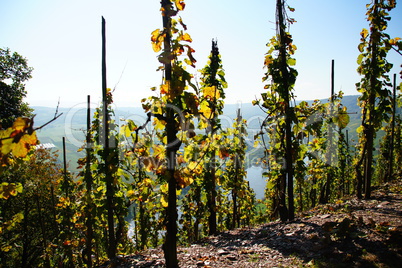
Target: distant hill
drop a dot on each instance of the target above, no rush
(72, 123)
(253, 114)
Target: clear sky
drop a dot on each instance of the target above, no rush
(62, 41)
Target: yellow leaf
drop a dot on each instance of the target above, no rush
(5, 133)
(130, 193)
(120, 172)
(179, 50)
(185, 37)
(159, 151)
(22, 148)
(194, 168)
(154, 35)
(186, 181)
(159, 124)
(178, 192)
(30, 139)
(21, 123)
(180, 5)
(127, 132)
(188, 62)
(164, 202)
(10, 189)
(394, 41)
(211, 92)
(256, 144)
(364, 33)
(205, 109)
(157, 40)
(147, 181)
(6, 141)
(156, 47)
(6, 248)
(165, 88)
(217, 137)
(292, 49)
(268, 60)
(203, 123)
(164, 188)
(157, 107)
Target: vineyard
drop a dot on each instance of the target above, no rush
(174, 174)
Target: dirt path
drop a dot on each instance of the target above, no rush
(354, 233)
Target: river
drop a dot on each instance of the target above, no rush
(257, 182)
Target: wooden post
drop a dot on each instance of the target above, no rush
(287, 178)
(87, 254)
(170, 245)
(111, 250)
(391, 153)
(64, 157)
(66, 184)
(324, 196)
(370, 131)
(332, 80)
(348, 161)
(210, 174)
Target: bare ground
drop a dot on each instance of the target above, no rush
(351, 233)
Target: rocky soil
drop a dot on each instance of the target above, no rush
(350, 233)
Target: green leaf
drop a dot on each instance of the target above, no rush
(361, 47)
(342, 120)
(360, 59)
(291, 62)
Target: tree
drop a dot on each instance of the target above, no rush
(14, 69)
(386, 159)
(280, 115)
(173, 109)
(29, 226)
(243, 197)
(211, 106)
(375, 100)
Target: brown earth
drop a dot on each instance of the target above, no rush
(350, 233)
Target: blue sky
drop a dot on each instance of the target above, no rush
(61, 40)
